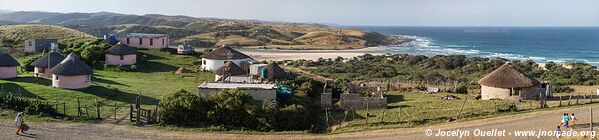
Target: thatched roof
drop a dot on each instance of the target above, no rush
(7, 61)
(230, 69)
(109, 41)
(71, 66)
(276, 72)
(121, 49)
(225, 53)
(507, 76)
(53, 58)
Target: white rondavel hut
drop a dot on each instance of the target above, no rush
(71, 73)
(219, 57)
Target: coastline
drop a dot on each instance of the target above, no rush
(280, 55)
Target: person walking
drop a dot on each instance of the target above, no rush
(19, 122)
(573, 120)
(558, 132)
(566, 120)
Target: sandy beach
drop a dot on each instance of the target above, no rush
(278, 55)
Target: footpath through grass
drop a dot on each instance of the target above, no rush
(153, 78)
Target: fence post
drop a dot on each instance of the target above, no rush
(383, 116)
(115, 108)
(130, 112)
(577, 97)
(86, 111)
(78, 107)
(461, 108)
(591, 98)
(569, 99)
(97, 108)
(560, 101)
(64, 105)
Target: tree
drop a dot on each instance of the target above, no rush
(294, 117)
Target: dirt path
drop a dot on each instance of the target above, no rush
(545, 120)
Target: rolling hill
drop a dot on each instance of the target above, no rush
(19, 33)
(206, 32)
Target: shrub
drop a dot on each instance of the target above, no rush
(233, 107)
(561, 89)
(18, 103)
(182, 108)
(462, 89)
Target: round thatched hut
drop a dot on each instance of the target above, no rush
(71, 73)
(8, 66)
(43, 65)
(275, 72)
(229, 69)
(217, 58)
(121, 54)
(507, 82)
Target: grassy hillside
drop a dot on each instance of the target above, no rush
(19, 33)
(208, 32)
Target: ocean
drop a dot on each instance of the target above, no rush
(541, 44)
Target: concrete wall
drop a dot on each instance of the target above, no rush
(70, 82)
(116, 59)
(257, 94)
(38, 45)
(41, 72)
(8, 72)
(488, 93)
(213, 64)
(158, 43)
(349, 101)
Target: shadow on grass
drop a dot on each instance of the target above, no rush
(117, 95)
(152, 66)
(394, 98)
(106, 81)
(18, 90)
(33, 80)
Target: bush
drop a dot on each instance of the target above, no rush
(561, 89)
(233, 107)
(462, 89)
(182, 108)
(293, 117)
(18, 103)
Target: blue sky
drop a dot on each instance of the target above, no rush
(348, 12)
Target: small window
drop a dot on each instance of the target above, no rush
(30, 43)
(127, 40)
(56, 77)
(203, 62)
(162, 41)
(151, 42)
(122, 57)
(41, 70)
(141, 41)
(88, 77)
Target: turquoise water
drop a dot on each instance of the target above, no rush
(541, 44)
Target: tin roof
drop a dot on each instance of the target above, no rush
(237, 85)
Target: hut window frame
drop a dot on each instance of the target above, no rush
(122, 57)
(141, 41)
(88, 77)
(128, 40)
(151, 42)
(57, 78)
(203, 62)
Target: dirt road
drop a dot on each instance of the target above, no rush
(544, 120)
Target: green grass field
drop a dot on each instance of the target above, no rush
(153, 78)
(427, 109)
